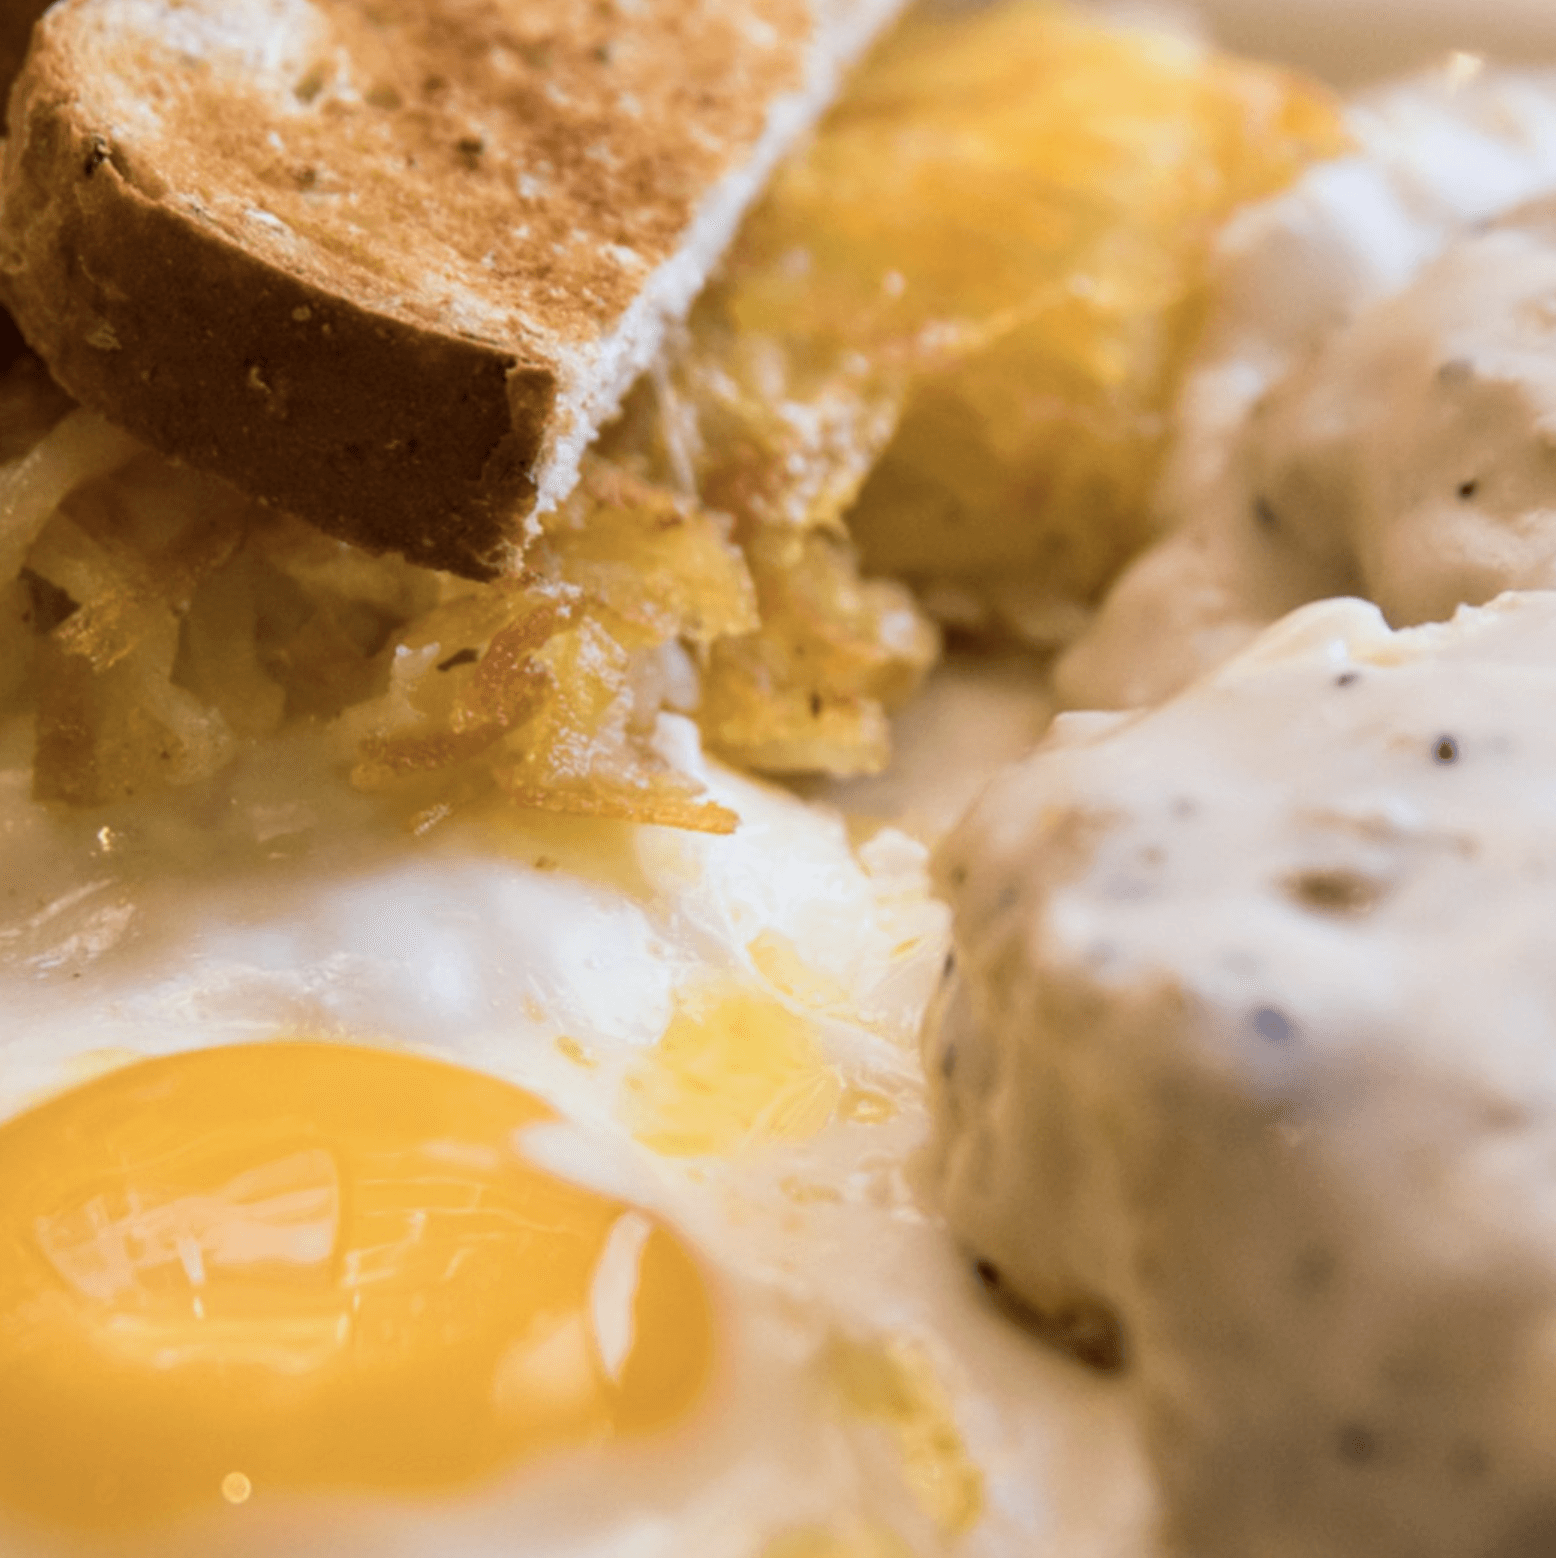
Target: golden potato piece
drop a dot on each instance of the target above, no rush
(1009, 218)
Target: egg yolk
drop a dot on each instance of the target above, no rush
(306, 1265)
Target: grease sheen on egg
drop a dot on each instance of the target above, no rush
(309, 1265)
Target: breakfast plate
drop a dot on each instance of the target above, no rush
(585, 1210)
(1354, 44)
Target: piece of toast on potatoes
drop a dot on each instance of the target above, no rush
(389, 264)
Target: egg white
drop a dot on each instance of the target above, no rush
(276, 902)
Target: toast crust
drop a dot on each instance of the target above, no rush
(260, 376)
(389, 265)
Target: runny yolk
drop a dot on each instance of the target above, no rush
(306, 1265)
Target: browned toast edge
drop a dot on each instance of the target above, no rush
(259, 376)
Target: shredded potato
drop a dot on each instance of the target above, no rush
(172, 620)
(949, 331)
(43, 473)
(971, 302)
(664, 565)
(808, 691)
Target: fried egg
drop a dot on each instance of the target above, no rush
(538, 1185)
(649, 1103)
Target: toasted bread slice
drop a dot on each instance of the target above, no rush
(389, 263)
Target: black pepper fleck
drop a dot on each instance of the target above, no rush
(1468, 489)
(815, 705)
(1264, 514)
(1347, 678)
(1356, 1444)
(1335, 890)
(1269, 1022)
(459, 657)
(1446, 750)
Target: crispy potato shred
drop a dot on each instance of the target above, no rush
(988, 274)
(946, 340)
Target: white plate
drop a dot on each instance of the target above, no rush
(1352, 41)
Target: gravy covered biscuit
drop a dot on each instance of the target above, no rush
(1367, 411)
(390, 267)
(1245, 1065)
